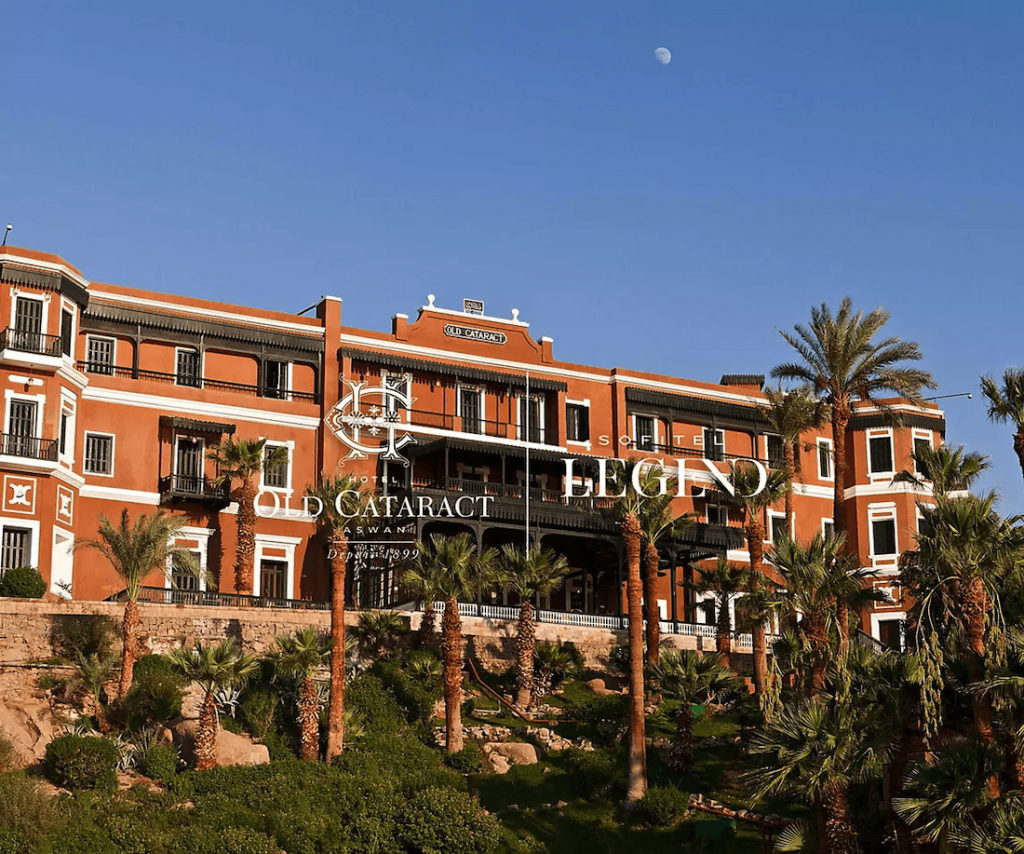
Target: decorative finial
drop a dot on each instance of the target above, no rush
(515, 315)
(430, 300)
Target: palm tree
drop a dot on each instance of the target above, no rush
(242, 461)
(528, 574)
(551, 661)
(134, 550)
(213, 667)
(687, 676)
(725, 581)
(842, 362)
(302, 655)
(947, 468)
(380, 630)
(341, 503)
(791, 414)
(1006, 403)
(450, 569)
(91, 673)
(816, 751)
(745, 479)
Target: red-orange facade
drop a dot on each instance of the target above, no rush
(460, 421)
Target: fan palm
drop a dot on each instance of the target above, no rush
(745, 479)
(380, 630)
(302, 655)
(551, 662)
(791, 414)
(842, 362)
(212, 667)
(687, 676)
(341, 502)
(528, 574)
(242, 461)
(134, 550)
(450, 569)
(725, 581)
(1006, 403)
(946, 468)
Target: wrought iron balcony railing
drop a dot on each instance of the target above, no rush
(30, 447)
(31, 342)
(193, 488)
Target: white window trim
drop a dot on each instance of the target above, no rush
(521, 479)
(44, 298)
(69, 405)
(831, 476)
(721, 508)
(825, 522)
(174, 447)
(655, 438)
(876, 632)
(67, 536)
(717, 432)
(33, 540)
(68, 306)
(201, 536)
(481, 397)
(202, 365)
(274, 541)
(273, 443)
(463, 469)
(925, 436)
(585, 403)
(772, 514)
(520, 427)
(11, 395)
(287, 379)
(113, 455)
(879, 434)
(113, 351)
(883, 513)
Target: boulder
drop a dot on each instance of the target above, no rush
(232, 749)
(598, 686)
(28, 726)
(513, 752)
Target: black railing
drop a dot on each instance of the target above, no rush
(175, 596)
(512, 492)
(31, 342)
(188, 381)
(193, 488)
(32, 447)
(479, 426)
(697, 453)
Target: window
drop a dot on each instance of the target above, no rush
(183, 578)
(880, 454)
(714, 444)
(828, 528)
(890, 632)
(644, 426)
(776, 527)
(531, 419)
(188, 464)
(189, 371)
(776, 452)
(99, 454)
(99, 355)
(21, 429)
(921, 446)
(717, 514)
(400, 384)
(67, 325)
(577, 422)
(883, 537)
(64, 418)
(28, 324)
(275, 379)
(15, 548)
(272, 576)
(825, 459)
(470, 410)
(276, 476)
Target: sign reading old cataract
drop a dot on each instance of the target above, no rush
(470, 333)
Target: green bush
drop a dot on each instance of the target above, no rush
(23, 582)
(26, 812)
(156, 694)
(230, 840)
(13, 841)
(77, 635)
(661, 806)
(595, 770)
(160, 762)
(375, 704)
(81, 762)
(411, 694)
(83, 839)
(258, 711)
(441, 821)
(466, 761)
(603, 717)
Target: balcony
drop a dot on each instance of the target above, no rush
(484, 428)
(185, 381)
(28, 453)
(179, 487)
(30, 348)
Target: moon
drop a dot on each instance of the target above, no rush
(663, 55)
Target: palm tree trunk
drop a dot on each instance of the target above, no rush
(755, 548)
(309, 722)
(129, 628)
(839, 830)
(843, 626)
(636, 786)
(651, 601)
(683, 748)
(451, 656)
(818, 638)
(336, 708)
(973, 609)
(723, 634)
(526, 640)
(840, 420)
(1018, 447)
(789, 458)
(206, 734)
(245, 548)
(425, 635)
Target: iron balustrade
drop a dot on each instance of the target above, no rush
(472, 426)
(30, 447)
(213, 599)
(31, 342)
(697, 453)
(190, 486)
(511, 492)
(184, 381)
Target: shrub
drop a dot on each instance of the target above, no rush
(83, 839)
(661, 806)
(375, 704)
(416, 699)
(26, 812)
(258, 711)
(595, 770)
(73, 636)
(602, 716)
(229, 840)
(23, 582)
(466, 761)
(160, 762)
(12, 841)
(440, 821)
(81, 762)
(156, 693)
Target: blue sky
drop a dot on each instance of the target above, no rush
(535, 155)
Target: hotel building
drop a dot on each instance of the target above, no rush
(461, 420)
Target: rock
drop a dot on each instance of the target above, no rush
(232, 749)
(516, 752)
(561, 805)
(512, 808)
(546, 806)
(598, 686)
(499, 764)
(28, 726)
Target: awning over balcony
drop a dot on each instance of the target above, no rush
(195, 426)
(459, 372)
(705, 410)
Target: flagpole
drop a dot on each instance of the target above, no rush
(527, 433)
